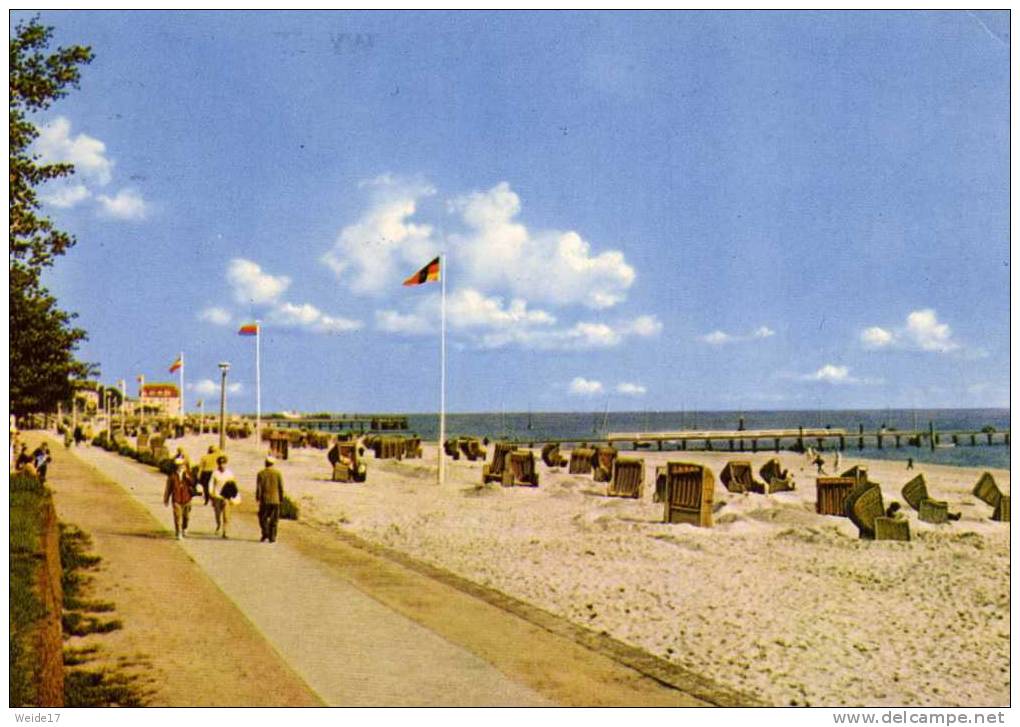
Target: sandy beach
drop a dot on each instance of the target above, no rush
(775, 600)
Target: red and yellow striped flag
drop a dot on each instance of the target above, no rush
(249, 329)
(428, 274)
(178, 362)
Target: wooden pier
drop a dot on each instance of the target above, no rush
(799, 439)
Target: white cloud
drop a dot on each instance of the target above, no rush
(493, 323)
(215, 315)
(411, 324)
(922, 332)
(645, 326)
(581, 336)
(720, 338)
(494, 252)
(384, 246)
(876, 337)
(499, 252)
(629, 389)
(468, 308)
(66, 195)
(925, 330)
(717, 338)
(127, 204)
(208, 387)
(252, 285)
(836, 374)
(581, 386)
(831, 373)
(310, 318)
(55, 144)
(335, 324)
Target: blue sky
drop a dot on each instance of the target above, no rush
(711, 210)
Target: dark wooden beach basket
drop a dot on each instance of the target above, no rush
(520, 469)
(831, 494)
(551, 455)
(279, 447)
(493, 471)
(690, 489)
(603, 463)
(580, 461)
(628, 478)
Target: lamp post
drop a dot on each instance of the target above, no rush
(224, 368)
(123, 397)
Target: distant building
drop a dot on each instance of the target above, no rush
(161, 398)
(86, 394)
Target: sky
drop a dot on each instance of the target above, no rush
(645, 211)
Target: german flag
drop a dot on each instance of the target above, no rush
(178, 362)
(249, 329)
(428, 274)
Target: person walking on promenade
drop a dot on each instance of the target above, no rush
(219, 493)
(206, 466)
(42, 459)
(178, 489)
(835, 467)
(269, 495)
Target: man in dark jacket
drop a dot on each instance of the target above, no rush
(178, 490)
(269, 495)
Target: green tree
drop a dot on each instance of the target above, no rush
(42, 340)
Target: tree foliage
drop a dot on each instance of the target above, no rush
(42, 339)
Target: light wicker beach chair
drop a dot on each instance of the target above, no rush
(690, 489)
(864, 507)
(520, 469)
(551, 455)
(737, 476)
(987, 490)
(776, 478)
(628, 478)
(863, 504)
(858, 473)
(581, 460)
(603, 463)
(831, 493)
(915, 492)
(493, 471)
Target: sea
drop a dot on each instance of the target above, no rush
(538, 426)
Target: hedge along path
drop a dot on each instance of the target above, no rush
(370, 627)
(191, 643)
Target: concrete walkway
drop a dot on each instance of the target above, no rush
(348, 647)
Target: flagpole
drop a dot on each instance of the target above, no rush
(258, 383)
(442, 372)
(182, 389)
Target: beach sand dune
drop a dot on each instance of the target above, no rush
(774, 601)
